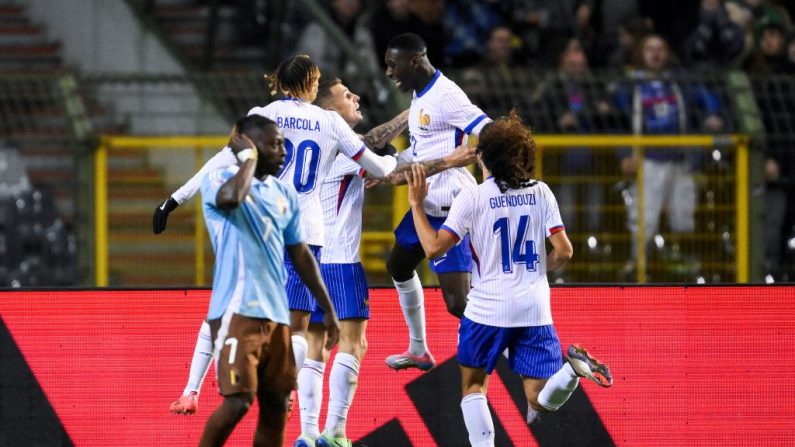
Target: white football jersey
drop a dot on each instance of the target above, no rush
(507, 233)
(439, 118)
(342, 196)
(312, 139)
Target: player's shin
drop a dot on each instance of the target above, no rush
(558, 388)
(412, 301)
(343, 381)
(310, 396)
(300, 347)
(202, 357)
(477, 419)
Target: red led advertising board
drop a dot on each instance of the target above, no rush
(692, 366)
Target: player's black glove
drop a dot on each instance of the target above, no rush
(161, 215)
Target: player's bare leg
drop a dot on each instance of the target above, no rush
(343, 380)
(223, 420)
(273, 402)
(475, 406)
(455, 288)
(401, 265)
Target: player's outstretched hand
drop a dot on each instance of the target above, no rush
(462, 156)
(418, 187)
(332, 325)
(239, 142)
(160, 217)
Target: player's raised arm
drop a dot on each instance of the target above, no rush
(222, 159)
(461, 157)
(234, 191)
(434, 243)
(354, 148)
(381, 135)
(309, 272)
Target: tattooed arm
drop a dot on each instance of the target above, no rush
(460, 157)
(383, 134)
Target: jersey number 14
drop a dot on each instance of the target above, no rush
(523, 251)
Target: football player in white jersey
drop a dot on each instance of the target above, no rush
(440, 117)
(508, 218)
(342, 197)
(313, 137)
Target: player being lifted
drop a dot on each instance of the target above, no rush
(508, 218)
(342, 197)
(312, 138)
(253, 220)
(440, 117)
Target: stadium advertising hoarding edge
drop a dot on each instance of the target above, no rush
(692, 365)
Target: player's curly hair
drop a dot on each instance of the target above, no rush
(507, 149)
(294, 78)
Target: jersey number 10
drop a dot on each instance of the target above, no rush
(307, 158)
(523, 252)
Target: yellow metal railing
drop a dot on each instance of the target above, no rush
(375, 241)
(638, 144)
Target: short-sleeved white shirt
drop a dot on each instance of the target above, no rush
(507, 235)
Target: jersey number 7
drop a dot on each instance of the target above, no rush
(524, 251)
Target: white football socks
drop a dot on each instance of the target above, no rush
(412, 302)
(558, 388)
(310, 396)
(299, 350)
(202, 357)
(343, 380)
(478, 420)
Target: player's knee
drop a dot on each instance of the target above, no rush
(238, 405)
(356, 346)
(274, 400)
(456, 304)
(398, 271)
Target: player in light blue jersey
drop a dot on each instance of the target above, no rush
(508, 217)
(253, 219)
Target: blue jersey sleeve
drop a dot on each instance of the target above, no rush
(213, 181)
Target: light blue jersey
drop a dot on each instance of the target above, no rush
(249, 243)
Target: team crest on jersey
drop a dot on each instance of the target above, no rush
(425, 120)
(282, 204)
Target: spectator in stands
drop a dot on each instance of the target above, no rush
(427, 20)
(499, 54)
(574, 98)
(326, 51)
(387, 20)
(468, 26)
(630, 31)
(717, 41)
(656, 103)
(761, 12)
(770, 55)
(422, 17)
(546, 25)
